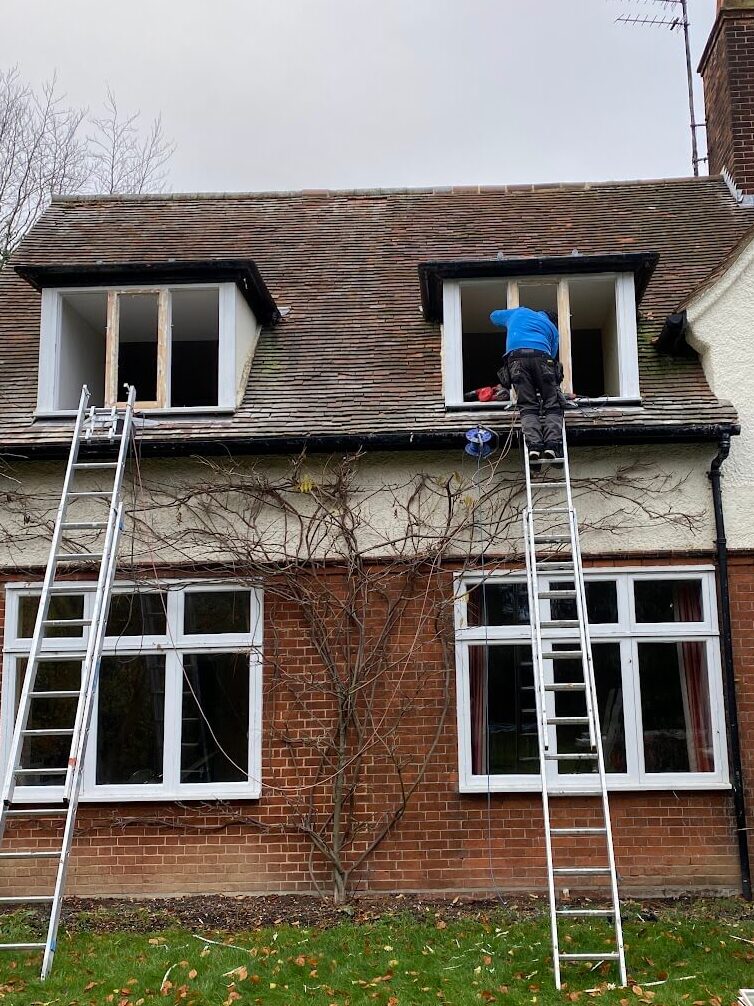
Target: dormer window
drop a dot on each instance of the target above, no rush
(183, 345)
(594, 304)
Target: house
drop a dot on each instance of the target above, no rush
(300, 505)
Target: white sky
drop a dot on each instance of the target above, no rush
(287, 94)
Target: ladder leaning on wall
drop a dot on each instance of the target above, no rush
(555, 576)
(93, 426)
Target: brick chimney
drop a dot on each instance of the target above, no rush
(727, 68)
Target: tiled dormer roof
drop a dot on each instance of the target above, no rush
(353, 355)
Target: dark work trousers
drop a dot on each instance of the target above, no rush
(534, 378)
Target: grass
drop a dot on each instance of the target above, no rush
(398, 961)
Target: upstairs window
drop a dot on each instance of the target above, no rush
(183, 347)
(596, 319)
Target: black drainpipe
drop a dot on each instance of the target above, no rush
(729, 683)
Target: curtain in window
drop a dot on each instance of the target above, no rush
(479, 720)
(692, 667)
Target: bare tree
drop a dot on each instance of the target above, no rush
(45, 149)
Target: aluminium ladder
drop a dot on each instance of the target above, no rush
(555, 577)
(91, 424)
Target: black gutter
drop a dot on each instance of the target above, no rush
(243, 272)
(433, 274)
(729, 681)
(404, 440)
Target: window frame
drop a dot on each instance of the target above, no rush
(171, 643)
(626, 325)
(629, 634)
(51, 334)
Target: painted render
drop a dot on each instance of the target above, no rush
(721, 319)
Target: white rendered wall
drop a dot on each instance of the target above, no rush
(722, 331)
(247, 333)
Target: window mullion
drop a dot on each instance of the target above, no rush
(172, 731)
(111, 349)
(163, 349)
(564, 330)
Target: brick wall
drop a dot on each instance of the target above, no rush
(446, 841)
(728, 70)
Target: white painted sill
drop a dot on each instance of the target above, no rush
(584, 403)
(136, 794)
(613, 786)
(191, 412)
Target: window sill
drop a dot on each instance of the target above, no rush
(136, 794)
(585, 403)
(190, 412)
(482, 786)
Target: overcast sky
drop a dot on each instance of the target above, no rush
(288, 94)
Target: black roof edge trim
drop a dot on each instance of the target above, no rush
(400, 441)
(242, 272)
(432, 274)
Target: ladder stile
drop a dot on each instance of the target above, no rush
(545, 555)
(89, 422)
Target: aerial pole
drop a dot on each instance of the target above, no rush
(673, 21)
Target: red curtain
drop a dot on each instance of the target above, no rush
(478, 690)
(694, 680)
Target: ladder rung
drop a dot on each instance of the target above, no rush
(546, 461)
(551, 509)
(560, 623)
(38, 812)
(611, 955)
(90, 492)
(40, 771)
(577, 870)
(23, 946)
(578, 831)
(585, 911)
(54, 655)
(7, 899)
(565, 686)
(563, 655)
(546, 566)
(78, 556)
(96, 464)
(33, 854)
(591, 756)
(564, 721)
(561, 483)
(555, 595)
(49, 732)
(71, 622)
(64, 587)
(551, 539)
(83, 525)
(55, 694)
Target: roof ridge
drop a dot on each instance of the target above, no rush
(369, 192)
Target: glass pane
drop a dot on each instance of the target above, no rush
(675, 707)
(61, 606)
(498, 604)
(195, 320)
(215, 720)
(668, 600)
(141, 614)
(131, 718)
(601, 601)
(137, 345)
(46, 714)
(208, 612)
(575, 738)
(503, 711)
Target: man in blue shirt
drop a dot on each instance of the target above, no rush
(531, 352)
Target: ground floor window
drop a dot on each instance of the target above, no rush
(177, 713)
(657, 671)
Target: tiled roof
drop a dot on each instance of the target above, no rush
(354, 355)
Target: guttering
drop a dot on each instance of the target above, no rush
(242, 272)
(406, 440)
(433, 274)
(729, 681)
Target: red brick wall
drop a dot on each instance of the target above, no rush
(665, 842)
(728, 70)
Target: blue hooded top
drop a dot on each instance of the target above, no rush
(527, 329)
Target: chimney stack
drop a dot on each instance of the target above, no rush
(727, 68)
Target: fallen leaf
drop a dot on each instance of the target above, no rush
(193, 973)
(90, 986)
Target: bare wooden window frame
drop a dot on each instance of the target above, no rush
(564, 323)
(112, 344)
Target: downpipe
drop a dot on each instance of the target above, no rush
(729, 682)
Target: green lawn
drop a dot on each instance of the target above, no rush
(500, 956)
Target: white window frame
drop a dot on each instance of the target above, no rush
(50, 344)
(628, 633)
(626, 324)
(171, 644)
